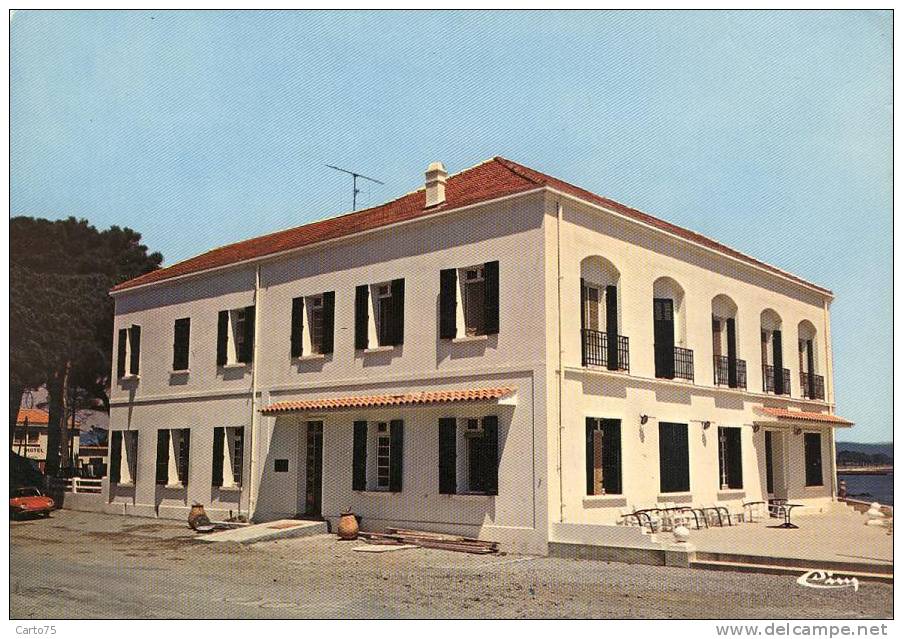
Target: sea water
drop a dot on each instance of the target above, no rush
(878, 488)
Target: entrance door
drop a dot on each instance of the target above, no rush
(775, 464)
(313, 502)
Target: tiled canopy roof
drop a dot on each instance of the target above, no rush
(490, 180)
(783, 413)
(379, 401)
(34, 415)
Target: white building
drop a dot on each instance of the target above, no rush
(498, 354)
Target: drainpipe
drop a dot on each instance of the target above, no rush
(829, 396)
(252, 497)
(560, 370)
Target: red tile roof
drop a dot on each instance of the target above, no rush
(34, 415)
(379, 401)
(490, 180)
(784, 413)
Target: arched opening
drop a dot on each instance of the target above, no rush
(672, 358)
(730, 370)
(811, 383)
(600, 315)
(775, 378)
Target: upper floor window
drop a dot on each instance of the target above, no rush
(469, 301)
(313, 324)
(235, 337)
(775, 378)
(379, 314)
(729, 369)
(812, 384)
(601, 343)
(128, 351)
(672, 358)
(181, 339)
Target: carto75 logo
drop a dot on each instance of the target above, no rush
(826, 579)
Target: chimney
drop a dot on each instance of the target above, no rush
(436, 176)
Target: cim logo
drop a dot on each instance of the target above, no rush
(827, 579)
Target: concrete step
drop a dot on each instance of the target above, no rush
(773, 569)
(797, 563)
(267, 531)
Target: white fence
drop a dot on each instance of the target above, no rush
(79, 485)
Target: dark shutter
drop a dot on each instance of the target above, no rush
(120, 355)
(590, 466)
(135, 344)
(163, 456)
(731, 352)
(115, 456)
(810, 366)
(769, 464)
(359, 457)
(448, 456)
(582, 322)
(734, 459)
(491, 299)
(611, 325)
(219, 436)
(674, 457)
(448, 303)
(663, 331)
(813, 459)
(398, 311)
(297, 326)
(247, 345)
(491, 454)
(222, 337)
(184, 450)
(778, 359)
(361, 318)
(181, 340)
(611, 456)
(396, 454)
(328, 322)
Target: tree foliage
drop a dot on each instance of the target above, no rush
(61, 314)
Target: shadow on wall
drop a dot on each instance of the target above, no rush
(605, 386)
(277, 494)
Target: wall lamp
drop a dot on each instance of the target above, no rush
(644, 419)
(797, 431)
(706, 425)
(756, 428)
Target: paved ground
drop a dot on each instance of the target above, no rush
(840, 534)
(86, 565)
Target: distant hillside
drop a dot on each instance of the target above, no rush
(868, 449)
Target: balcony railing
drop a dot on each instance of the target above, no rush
(813, 386)
(596, 351)
(768, 379)
(722, 372)
(681, 363)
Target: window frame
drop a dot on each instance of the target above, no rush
(601, 425)
(725, 441)
(473, 303)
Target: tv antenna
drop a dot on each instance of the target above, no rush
(354, 177)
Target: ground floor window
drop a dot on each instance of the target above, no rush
(228, 456)
(813, 459)
(730, 459)
(377, 455)
(173, 448)
(468, 455)
(674, 457)
(603, 456)
(123, 456)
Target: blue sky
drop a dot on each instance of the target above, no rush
(768, 131)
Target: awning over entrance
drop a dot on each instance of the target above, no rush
(470, 395)
(787, 416)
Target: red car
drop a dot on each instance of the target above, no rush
(29, 501)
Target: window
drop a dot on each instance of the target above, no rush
(181, 335)
(813, 459)
(730, 458)
(235, 337)
(377, 455)
(313, 324)
(674, 458)
(33, 437)
(379, 314)
(228, 456)
(123, 456)
(469, 301)
(382, 456)
(603, 456)
(173, 448)
(280, 465)
(591, 307)
(128, 351)
(468, 455)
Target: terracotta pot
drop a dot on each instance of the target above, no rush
(197, 517)
(348, 527)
